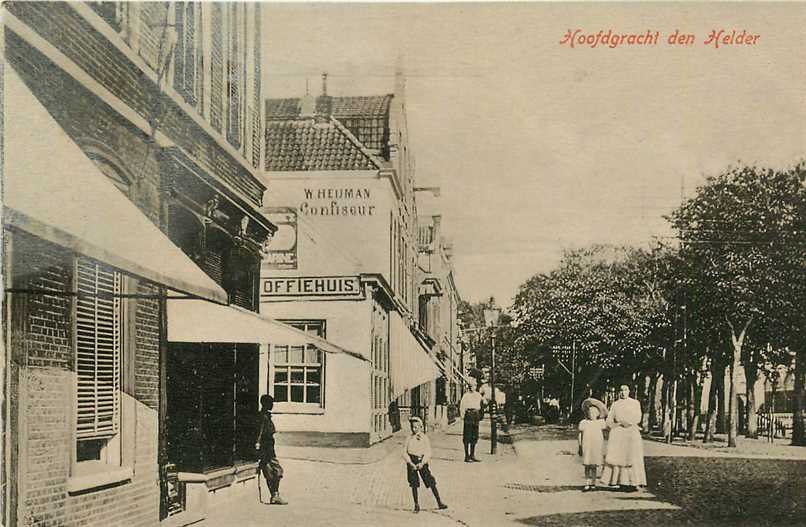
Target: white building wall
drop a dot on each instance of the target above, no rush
(337, 235)
(346, 378)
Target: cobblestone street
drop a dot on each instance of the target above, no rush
(535, 479)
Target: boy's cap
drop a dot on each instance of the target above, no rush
(415, 419)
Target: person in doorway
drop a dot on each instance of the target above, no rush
(417, 455)
(624, 462)
(269, 465)
(470, 410)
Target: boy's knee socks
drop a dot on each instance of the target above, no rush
(436, 493)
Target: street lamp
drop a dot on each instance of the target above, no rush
(491, 315)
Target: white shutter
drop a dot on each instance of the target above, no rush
(98, 345)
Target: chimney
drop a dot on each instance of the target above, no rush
(324, 105)
(307, 105)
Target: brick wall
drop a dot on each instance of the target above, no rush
(91, 124)
(42, 405)
(148, 350)
(59, 24)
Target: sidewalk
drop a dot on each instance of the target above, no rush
(350, 488)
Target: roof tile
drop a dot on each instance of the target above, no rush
(366, 117)
(304, 144)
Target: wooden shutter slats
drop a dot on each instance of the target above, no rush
(98, 343)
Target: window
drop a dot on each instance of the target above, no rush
(111, 12)
(217, 67)
(234, 72)
(299, 370)
(98, 335)
(185, 51)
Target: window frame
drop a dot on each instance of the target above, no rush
(274, 367)
(116, 456)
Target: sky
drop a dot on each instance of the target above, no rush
(539, 147)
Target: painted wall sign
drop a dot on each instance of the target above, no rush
(351, 201)
(282, 249)
(311, 286)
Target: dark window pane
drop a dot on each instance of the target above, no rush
(297, 393)
(280, 393)
(295, 355)
(281, 375)
(89, 450)
(312, 394)
(314, 376)
(298, 375)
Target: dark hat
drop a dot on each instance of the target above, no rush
(587, 403)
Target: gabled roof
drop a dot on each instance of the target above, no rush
(366, 117)
(298, 144)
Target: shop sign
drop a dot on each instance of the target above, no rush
(340, 287)
(282, 249)
(340, 202)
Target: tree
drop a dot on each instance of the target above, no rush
(604, 301)
(742, 238)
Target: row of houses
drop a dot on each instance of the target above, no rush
(176, 244)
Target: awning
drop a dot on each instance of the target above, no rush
(53, 191)
(465, 378)
(200, 321)
(410, 365)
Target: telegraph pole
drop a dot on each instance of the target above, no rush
(493, 430)
(573, 374)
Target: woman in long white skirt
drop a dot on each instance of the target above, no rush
(624, 462)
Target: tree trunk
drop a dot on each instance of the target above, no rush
(673, 401)
(799, 410)
(653, 401)
(750, 375)
(713, 395)
(666, 407)
(737, 341)
(733, 411)
(721, 414)
(693, 407)
(646, 400)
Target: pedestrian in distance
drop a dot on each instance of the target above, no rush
(269, 465)
(591, 440)
(470, 410)
(417, 455)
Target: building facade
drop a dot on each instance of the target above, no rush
(438, 310)
(109, 422)
(344, 266)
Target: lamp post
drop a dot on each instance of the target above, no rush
(491, 315)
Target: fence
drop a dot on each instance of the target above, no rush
(774, 425)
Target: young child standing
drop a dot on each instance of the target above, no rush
(417, 454)
(591, 441)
